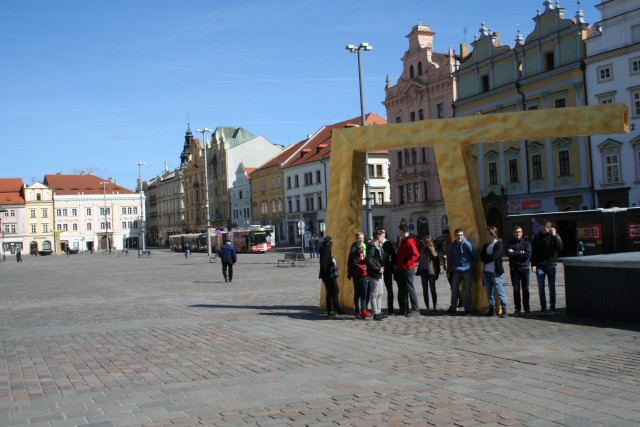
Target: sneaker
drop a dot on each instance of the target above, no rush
(452, 311)
(366, 313)
(412, 313)
(332, 313)
(377, 317)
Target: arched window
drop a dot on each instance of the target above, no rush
(410, 71)
(46, 245)
(419, 68)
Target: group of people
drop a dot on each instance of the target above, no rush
(375, 264)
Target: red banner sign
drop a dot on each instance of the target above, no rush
(525, 204)
(634, 231)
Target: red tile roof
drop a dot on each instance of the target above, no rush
(283, 156)
(318, 146)
(83, 183)
(11, 191)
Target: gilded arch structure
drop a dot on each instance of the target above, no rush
(451, 140)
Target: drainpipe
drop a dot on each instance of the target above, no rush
(583, 68)
(526, 146)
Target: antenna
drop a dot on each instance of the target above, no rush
(464, 37)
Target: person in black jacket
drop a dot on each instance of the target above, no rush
(228, 257)
(519, 253)
(329, 274)
(545, 248)
(389, 262)
(375, 270)
(491, 256)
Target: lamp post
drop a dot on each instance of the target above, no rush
(356, 49)
(106, 222)
(2, 210)
(206, 185)
(141, 207)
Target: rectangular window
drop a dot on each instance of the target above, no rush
(74, 227)
(32, 213)
(399, 159)
(421, 114)
(634, 66)
(536, 166)
(64, 212)
(308, 201)
(45, 213)
(103, 226)
(88, 211)
(416, 192)
(380, 198)
(401, 194)
(135, 210)
(563, 162)
(13, 229)
(409, 193)
(398, 119)
(58, 212)
(412, 116)
(297, 205)
(549, 63)
(493, 173)
(45, 228)
(560, 103)
(130, 224)
(74, 212)
(318, 177)
(288, 182)
(605, 73)
(635, 102)
(124, 210)
(296, 181)
(440, 110)
(124, 224)
(612, 168)
(290, 204)
(484, 81)
(320, 202)
(34, 228)
(635, 33)
(88, 226)
(513, 170)
(65, 227)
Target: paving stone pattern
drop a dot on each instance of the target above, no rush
(98, 340)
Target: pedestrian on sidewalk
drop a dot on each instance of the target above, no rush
(429, 272)
(375, 271)
(389, 261)
(18, 256)
(329, 275)
(545, 248)
(357, 270)
(407, 257)
(491, 256)
(461, 255)
(228, 258)
(519, 253)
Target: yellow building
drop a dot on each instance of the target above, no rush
(39, 218)
(545, 70)
(192, 167)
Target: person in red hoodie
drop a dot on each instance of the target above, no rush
(407, 257)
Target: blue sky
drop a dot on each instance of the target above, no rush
(100, 85)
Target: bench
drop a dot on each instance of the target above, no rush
(290, 259)
(144, 253)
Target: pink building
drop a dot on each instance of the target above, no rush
(425, 90)
(12, 215)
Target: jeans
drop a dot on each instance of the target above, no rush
(361, 288)
(388, 283)
(520, 281)
(376, 286)
(461, 276)
(429, 283)
(550, 272)
(411, 290)
(406, 291)
(493, 282)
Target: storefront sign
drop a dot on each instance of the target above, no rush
(524, 204)
(634, 231)
(589, 232)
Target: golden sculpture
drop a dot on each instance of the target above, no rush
(451, 140)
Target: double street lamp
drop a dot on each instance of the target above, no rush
(206, 184)
(106, 222)
(2, 210)
(141, 225)
(356, 49)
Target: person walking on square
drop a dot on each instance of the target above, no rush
(313, 249)
(448, 261)
(545, 248)
(491, 256)
(407, 256)
(228, 257)
(357, 270)
(329, 275)
(18, 256)
(461, 255)
(389, 261)
(429, 272)
(519, 253)
(375, 271)
(187, 250)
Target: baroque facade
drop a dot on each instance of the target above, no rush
(12, 215)
(39, 218)
(165, 214)
(543, 70)
(425, 90)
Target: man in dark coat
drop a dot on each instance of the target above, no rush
(545, 248)
(228, 257)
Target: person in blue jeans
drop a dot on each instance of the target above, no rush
(519, 253)
(491, 256)
(462, 254)
(545, 248)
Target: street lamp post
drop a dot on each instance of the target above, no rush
(356, 49)
(206, 185)
(141, 208)
(106, 219)
(2, 210)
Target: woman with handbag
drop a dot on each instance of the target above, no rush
(429, 272)
(357, 270)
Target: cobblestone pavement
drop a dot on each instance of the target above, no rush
(115, 341)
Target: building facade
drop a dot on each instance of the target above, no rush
(613, 75)
(91, 213)
(425, 90)
(165, 215)
(545, 70)
(12, 215)
(39, 218)
(240, 198)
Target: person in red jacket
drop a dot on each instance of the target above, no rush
(407, 256)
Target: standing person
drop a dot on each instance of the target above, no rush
(461, 254)
(329, 274)
(519, 253)
(312, 246)
(375, 270)
(429, 272)
(389, 262)
(357, 270)
(228, 257)
(448, 261)
(187, 250)
(545, 248)
(491, 256)
(406, 259)
(18, 256)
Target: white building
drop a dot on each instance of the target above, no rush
(92, 213)
(240, 198)
(613, 75)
